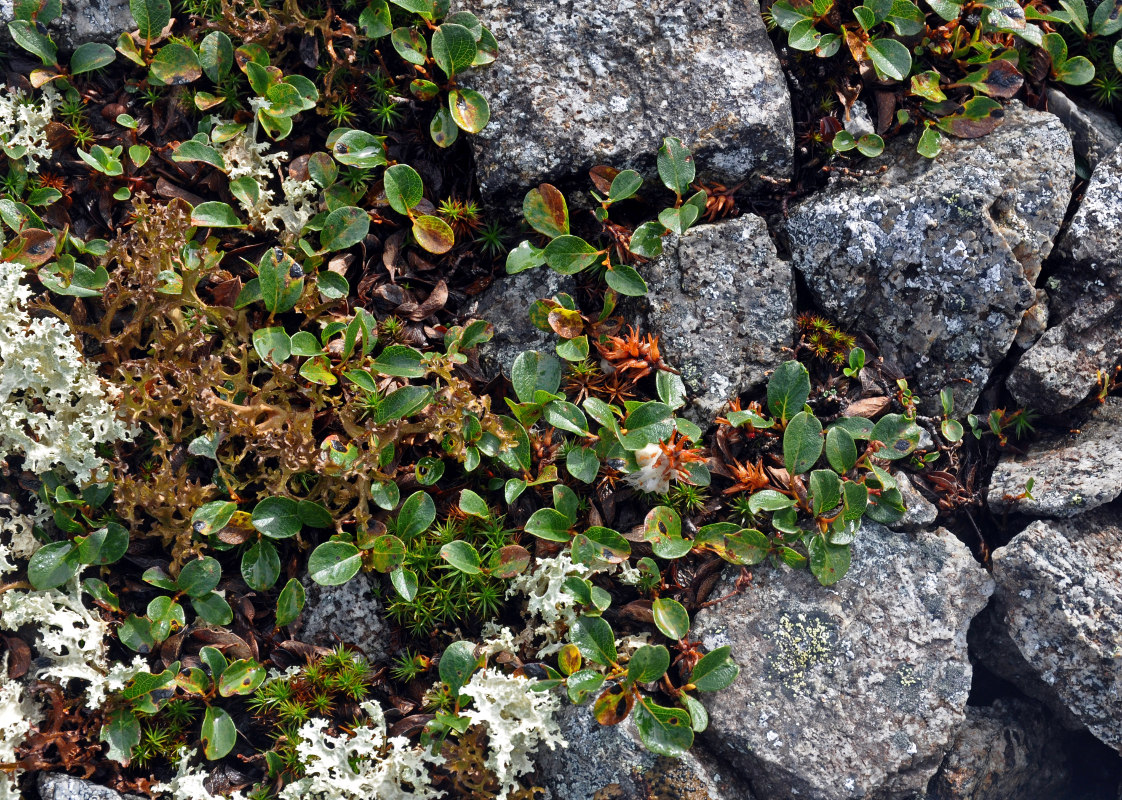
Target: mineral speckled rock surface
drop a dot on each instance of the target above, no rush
(583, 82)
(80, 21)
(1095, 133)
(610, 763)
(57, 786)
(1008, 750)
(348, 613)
(723, 306)
(1085, 310)
(936, 259)
(854, 690)
(506, 305)
(1071, 472)
(1059, 600)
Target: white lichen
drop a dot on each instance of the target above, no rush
(23, 125)
(546, 600)
(246, 157)
(366, 765)
(518, 722)
(56, 409)
(189, 782)
(18, 713)
(70, 639)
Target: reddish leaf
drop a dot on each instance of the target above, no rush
(613, 705)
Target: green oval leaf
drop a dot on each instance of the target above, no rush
(462, 556)
(151, 16)
(648, 664)
(218, 732)
(671, 617)
(570, 254)
(360, 149)
(290, 602)
(199, 577)
(276, 517)
(788, 389)
(344, 227)
(899, 434)
(890, 58)
(416, 515)
(214, 214)
(261, 566)
(334, 563)
(469, 109)
(546, 211)
(594, 637)
(433, 234)
(104, 546)
(242, 677)
(90, 56)
(404, 188)
(802, 443)
(52, 565)
(453, 48)
(176, 65)
(664, 731)
(676, 166)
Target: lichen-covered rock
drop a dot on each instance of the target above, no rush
(936, 259)
(1085, 307)
(853, 690)
(506, 305)
(1071, 472)
(1095, 134)
(1059, 600)
(586, 82)
(81, 21)
(59, 786)
(1007, 750)
(349, 613)
(723, 306)
(610, 763)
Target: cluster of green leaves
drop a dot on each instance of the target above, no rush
(951, 59)
(435, 39)
(94, 537)
(840, 485)
(146, 694)
(547, 213)
(28, 29)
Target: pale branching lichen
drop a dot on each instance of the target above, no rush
(366, 765)
(518, 722)
(56, 408)
(189, 783)
(246, 157)
(547, 600)
(17, 714)
(70, 640)
(23, 125)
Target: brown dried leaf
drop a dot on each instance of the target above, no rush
(867, 407)
(602, 177)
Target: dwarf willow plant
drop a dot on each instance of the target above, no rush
(953, 61)
(546, 211)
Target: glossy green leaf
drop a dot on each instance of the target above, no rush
(290, 602)
(418, 512)
(30, 39)
(121, 732)
(664, 731)
(90, 56)
(802, 443)
(824, 490)
(828, 562)
(404, 583)
(899, 434)
(841, 450)
(788, 389)
(443, 129)
(676, 166)
(214, 214)
(241, 677)
(218, 732)
(261, 566)
(151, 16)
(105, 545)
(890, 58)
(344, 228)
(410, 45)
(334, 563)
(469, 109)
(599, 545)
(714, 671)
(453, 48)
(594, 637)
(474, 505)
(671, 618)
(546, 211)
(272, 344)
(462, 556)
(433, 234)
(648, 664)
(457, 663)
(404, 188)
(360, 149)
(52, 565)
(570, 254)
(276, 517)
(199, 576)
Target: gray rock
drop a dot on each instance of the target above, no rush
(936, 259)
(81, 21)
(506, 305)
(611, 762)
(587, 82)
(58, 786)
(853, 690)
(1004, 751)
(1059, 599)
(349, 613)
(919, 512)
(1071, 473)
(723, 306)
(1095, 134)
(859, 122)
(1086, 311)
